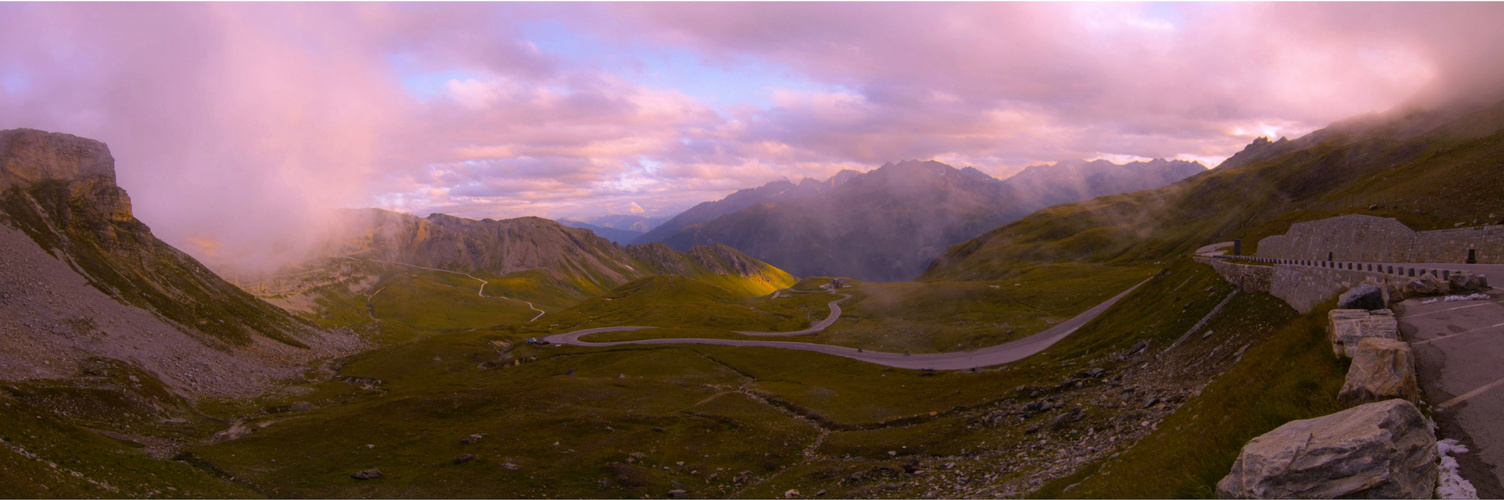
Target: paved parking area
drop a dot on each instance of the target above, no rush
(1459, 350)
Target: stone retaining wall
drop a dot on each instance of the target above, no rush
(1365, 238)
(1249, 278)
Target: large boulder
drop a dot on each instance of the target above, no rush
(1345, 327)
(1365, 296)
(1426, 284)
(1465, 282)
(1382, 369)
(1377, 450)
(1393, 290)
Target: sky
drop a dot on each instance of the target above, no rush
(234, 126)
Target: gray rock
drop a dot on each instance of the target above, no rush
(1345, 327)
(1364, 296)
(1382, 369)
(1426, 284)
(1464, 282)
(1393, 290)
(678, 494)
(1377, 450)
(464, 458)
(367, 474)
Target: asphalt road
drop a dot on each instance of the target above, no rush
(961, 360)
(835, 314)
(1458, 347)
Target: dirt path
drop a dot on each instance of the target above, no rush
(963, 360)
(481, 292)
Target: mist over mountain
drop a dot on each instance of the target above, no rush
(1069, 181)
(779, 190)
(623, 236)
(626, 222)
(887, 224)
(87, 286)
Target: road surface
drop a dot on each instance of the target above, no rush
(835, 314)
(962, 360)
(1458, 346)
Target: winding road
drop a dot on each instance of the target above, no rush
(961, 360)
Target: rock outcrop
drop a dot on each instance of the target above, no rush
(1381, 369)
(29, 156)
(1346, 327)
(1377, 450)
(571, 257)
(1426, 284)
(1465, 282)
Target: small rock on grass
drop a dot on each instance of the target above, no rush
(464, 458)
(367, 474)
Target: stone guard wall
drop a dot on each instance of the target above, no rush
(1300, 286)
(1365, 238)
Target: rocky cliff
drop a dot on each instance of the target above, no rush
(84, 280)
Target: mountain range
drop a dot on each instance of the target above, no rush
(1429, 169)
(888, 223)
(572, 259)
(620, 228)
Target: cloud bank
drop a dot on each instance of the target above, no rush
(234, 125)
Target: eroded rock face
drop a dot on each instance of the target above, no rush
(28, 156)
(1345, 327)
(1382, 369)
(85, 166)
(1365, 296)
(1377, 450)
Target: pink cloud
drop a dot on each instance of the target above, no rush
(234, 125)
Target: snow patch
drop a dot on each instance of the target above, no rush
(1451, 484)
(1464, 298)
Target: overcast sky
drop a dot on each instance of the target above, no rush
(232, 123)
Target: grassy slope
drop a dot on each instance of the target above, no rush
(431, 300)
(124, 260)
(1292, 376)
(681, 302)
(68, 460)
(910, 316)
